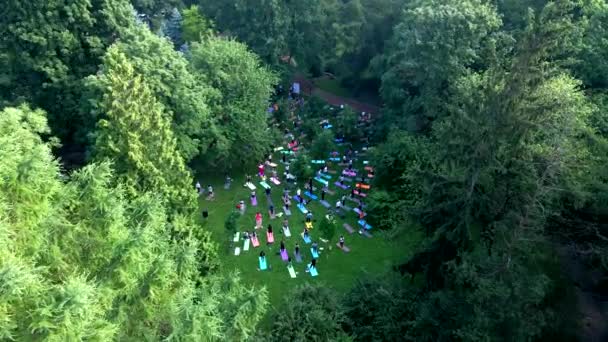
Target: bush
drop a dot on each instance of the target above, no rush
(327, 227)
(231, 222)
(323, 145)
(301, 167)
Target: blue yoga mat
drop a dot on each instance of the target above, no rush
(262, 262)
(364, 224)
(325, 176)
(313, 271)
(314, 254)
(318, 161)
(321, 180)
(306, 239)
(313, 196)
(302, 208)
(334, 159)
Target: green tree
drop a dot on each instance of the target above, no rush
(309, 313)
(243, 87)
(195, 26)
(323, 145)
(300, 167)
(48, 47)
(327, 227)
(230, 224)
(172, 27)
(135, 133)
(435, 43)
(167, 74)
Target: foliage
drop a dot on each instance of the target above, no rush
(309, 313)
(135, 134)
(301, 168)
(48, 47)
(195, 26)
(172, 28)
(167, 74)
(327, 227)
(323, 145)
(231, 222)
(243, 87)
(347, 125)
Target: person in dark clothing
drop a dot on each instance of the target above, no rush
(205, 213)
(267, 191)
(323, 195)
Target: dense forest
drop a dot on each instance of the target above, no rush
(491, 141)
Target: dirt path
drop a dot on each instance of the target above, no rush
(308, 88)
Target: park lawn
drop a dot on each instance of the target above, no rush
(336, 268)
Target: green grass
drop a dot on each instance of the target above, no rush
(336, 269)
(332, 86)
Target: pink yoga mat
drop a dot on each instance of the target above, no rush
(269, 237)
(255, 242)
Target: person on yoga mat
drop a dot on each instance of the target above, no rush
(301, 200)
(254, 235)
(323, 195)
(267, 191)
(343, 198)
(248, 178)
(271, 210)
(341, 180)
(262, 254)
(352, 193)
(341, 241)
(306, 234)
(210, 191)
(198, 187)
(297, 249)
(205, 213)
(325, 169)
(287, 205)
(310, 184)
(282, 245)
(338, 204)
(308, 216)
(285, 223)
(315, 247)
(313, 263)
(289, 263)
(299, 192)
(270, 229)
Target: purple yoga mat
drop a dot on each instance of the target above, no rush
(254, 201)
(284, 255)
(342, 186)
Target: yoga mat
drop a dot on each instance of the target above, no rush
(359, 212)
(279, 215)
(364, 224)
(287, 152)
(368, 168)
(348, 228)
(262, 263)
(322, 181)
(246, 244)
(318, 161)
(236, 237)
(284, 255)
(287, 211)
(250, 186)
(348, 180)
(363, 186)
(331, 192)
(313, 196)
(305, 238)
(265, 185)
(308, 225)
(349, 173)
(315, 255)
(334, 159)
(255, 242)
(333, 172)
(298, 257)
(272, 164)
(296, 198)
(275, 181)
(341, 186)
(270, 237)
(325, 176)
(328, 126)
(254, 201)
(361, 194)
(365, 162)
(287, 232)
(370, 175)
(345, 249)
(312, 270)
(237, 251)
(277, 149)
(226, 186)
(292, 272)
(258, 223)
(325, 204)
(346, 207)
(339, 140)
(366, 233)
(302, 208)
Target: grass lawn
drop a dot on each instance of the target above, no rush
(332, 86)
(336, 268)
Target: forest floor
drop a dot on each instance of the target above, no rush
(337, 269)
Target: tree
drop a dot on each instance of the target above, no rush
(323, 145)
(435, 43)
(309, 313)
(195, 26)
(348, 125)
(300, 167)
(167, 73)
(327, 227)
(172, 27)
(243, 87)
(231, 223)
(48, 47)
(135, 133)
